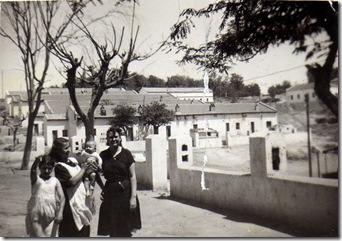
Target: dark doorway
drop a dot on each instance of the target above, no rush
(54, 135)
(130, 134)
(168, 131)
(275, 159)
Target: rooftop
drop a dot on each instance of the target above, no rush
(154, 90)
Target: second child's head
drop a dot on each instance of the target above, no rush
(90, 146)
(46, 165)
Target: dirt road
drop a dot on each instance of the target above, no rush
(161, 216)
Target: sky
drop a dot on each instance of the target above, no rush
(155, 18)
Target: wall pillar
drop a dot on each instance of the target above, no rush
(257, 150)
(267, 154)
(156, 159)
(40, 143)
(180, 151)
(76, 144)
(180, 155)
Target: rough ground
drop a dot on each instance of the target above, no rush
(164, 217)
(161, 216)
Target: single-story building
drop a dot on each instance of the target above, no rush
(296, 94)
(232, 123)
(181, 93)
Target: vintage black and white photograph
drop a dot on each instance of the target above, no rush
(169, 119)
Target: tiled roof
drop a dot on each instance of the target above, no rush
(56, 116)
(224, 108)
(56, 106)
(18, 95)
(57, 103)
(310, 86)
(306, 86)
(156, 90)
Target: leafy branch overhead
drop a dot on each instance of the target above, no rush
(248, 28)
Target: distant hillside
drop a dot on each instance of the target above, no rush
(324, 125)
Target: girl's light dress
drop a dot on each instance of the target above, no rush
(42, 205)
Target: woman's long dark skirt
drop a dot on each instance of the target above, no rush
(115, 217)
(68, 228)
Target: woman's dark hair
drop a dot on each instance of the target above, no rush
(45, 160)
(56, 151)
(114, 130)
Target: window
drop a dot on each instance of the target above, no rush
(252, 127)
(237, 126)
(313, 95)
(268, 124)
(227, 126)
(298, 96)
(36, 129)
(168, 131)
(65, 133)
(291, 97)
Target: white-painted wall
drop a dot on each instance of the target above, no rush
(298, 96)
(54, 125)
(309, 204)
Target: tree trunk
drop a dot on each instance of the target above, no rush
(89, 127)
(321, 77)
(14, 137)
(28, 144)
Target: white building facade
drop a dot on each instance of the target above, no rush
(296, 94)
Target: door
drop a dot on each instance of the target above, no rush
(168, 131)
(130, 134)
(54, 135)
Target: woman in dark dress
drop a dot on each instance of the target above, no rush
(119, 212)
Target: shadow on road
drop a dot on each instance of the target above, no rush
(257, 220)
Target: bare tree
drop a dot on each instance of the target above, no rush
(26, 26)
(14, 123)
(100, 74)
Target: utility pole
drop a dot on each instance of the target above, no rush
(308, 129)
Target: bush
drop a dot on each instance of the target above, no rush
(332, 120)
(326, 120)
(321, 120)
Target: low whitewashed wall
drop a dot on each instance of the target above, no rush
(309, 204)
(134, 146)
(298, 137)
(236, 140)
(213, 142)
